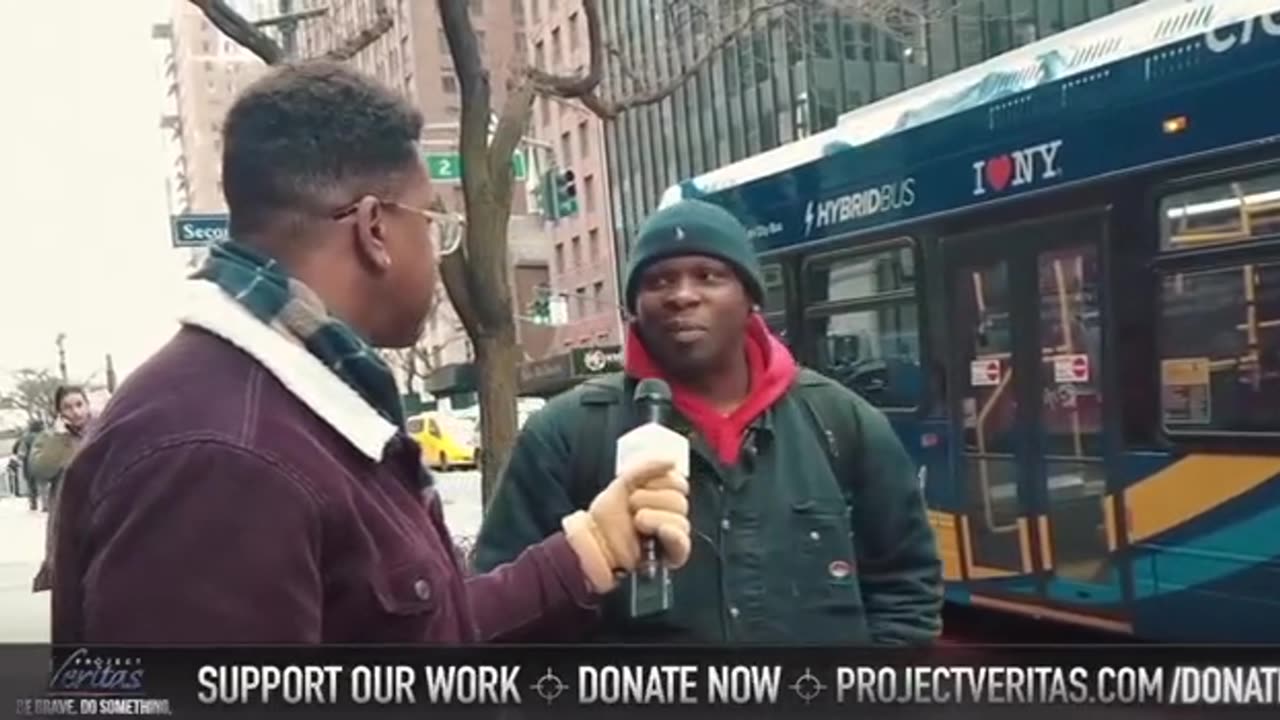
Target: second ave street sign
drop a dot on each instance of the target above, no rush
(447, 166)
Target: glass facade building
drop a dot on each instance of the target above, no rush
(787, 78)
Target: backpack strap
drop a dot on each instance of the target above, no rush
(838, 424)
(607, 403)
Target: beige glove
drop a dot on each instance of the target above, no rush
(648, 500)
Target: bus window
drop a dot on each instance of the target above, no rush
(1220, 349)
(866, 332)
(775, 289)
(1219, 326)
(1226, 212)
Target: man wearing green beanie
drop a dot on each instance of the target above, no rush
(809, 524)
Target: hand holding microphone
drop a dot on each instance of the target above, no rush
(647, 500)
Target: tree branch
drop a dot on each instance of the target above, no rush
(366, 37)
(235, 26)
(894, 17)
(607, 109)
(582, 85)
(473, 86)
(250, 36)
(506, 138)
(485, 243)
(457, 283)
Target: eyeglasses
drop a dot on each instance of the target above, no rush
(446, 229)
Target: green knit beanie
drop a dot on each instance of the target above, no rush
(694, 227)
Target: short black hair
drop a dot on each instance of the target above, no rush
(310, 137)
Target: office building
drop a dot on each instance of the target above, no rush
(791, 77)
(204, 71)
(583, 281)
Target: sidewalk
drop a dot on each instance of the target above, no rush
(24, 615)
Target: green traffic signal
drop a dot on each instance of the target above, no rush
(566, 194)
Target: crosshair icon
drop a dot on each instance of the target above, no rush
(808, 686)
(549, 686)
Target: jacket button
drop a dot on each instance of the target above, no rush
(725, 524)
(814, 536)
(422, 589)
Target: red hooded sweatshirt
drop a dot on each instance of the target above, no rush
(772, 370)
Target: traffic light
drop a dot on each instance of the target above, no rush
(540, 308)
(566, 195)
(547, 202)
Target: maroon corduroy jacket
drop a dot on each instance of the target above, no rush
(230, 493)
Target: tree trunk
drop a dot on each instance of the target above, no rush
(497, 369)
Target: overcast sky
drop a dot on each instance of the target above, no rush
(84, 246)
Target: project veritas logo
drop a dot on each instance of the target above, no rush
(84, 683)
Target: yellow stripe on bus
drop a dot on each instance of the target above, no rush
(1191, 487)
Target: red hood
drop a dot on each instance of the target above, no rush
(772, 371)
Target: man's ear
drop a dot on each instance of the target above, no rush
(370, 235)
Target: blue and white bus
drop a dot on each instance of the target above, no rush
(1058, 274)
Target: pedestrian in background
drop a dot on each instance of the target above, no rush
(50, 457)
(22, 452)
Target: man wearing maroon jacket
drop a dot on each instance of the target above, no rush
(253, 481)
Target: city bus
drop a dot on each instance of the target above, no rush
(1057, 273)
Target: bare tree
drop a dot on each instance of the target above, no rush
(32, 394)
(477, 277)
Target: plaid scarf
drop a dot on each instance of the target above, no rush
(262, 286)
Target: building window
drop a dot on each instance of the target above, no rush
(521, 44)
(540, 55)
(593, 244)
(1219, 326)
(582, 302)
(577, 250)
(566, 149)
(517, 10)
(584, 143)
(477, 7)
(589, 192)
(598, 292)
(480, 43)
(559, 258)
(546, 110)
(535, 10)
(557, 51)
(449, 84)
(573, 32)
(869, 341)
(444, 41)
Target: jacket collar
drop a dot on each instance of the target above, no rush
(335, 402)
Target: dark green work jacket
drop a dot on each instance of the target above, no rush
(783, 552)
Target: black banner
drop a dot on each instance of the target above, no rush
(619, 681)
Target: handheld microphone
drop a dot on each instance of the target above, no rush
(653, 398)
(653, 439)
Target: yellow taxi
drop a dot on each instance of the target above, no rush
(447, 442)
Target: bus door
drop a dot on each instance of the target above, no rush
(1025, 352)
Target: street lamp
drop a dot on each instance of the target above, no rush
(62, 355)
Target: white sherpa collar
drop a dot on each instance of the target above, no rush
(211, 309)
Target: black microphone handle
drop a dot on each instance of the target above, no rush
(656, 412)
